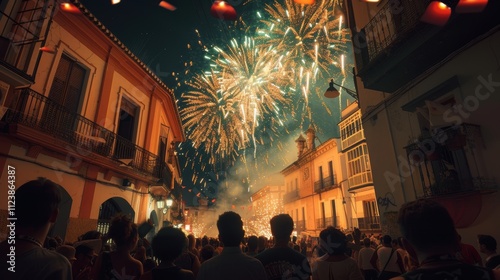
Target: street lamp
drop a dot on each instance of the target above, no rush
(332, 92)
(160, 203)
(169, 201)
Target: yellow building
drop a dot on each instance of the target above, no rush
(362, 201)
(429, 98)
(265, 204)
(314, 196)
(82, 110)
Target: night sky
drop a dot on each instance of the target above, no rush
(160, 38)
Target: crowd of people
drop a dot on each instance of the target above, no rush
(430, 248)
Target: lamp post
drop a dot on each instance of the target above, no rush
(344, 203)
(332, 92)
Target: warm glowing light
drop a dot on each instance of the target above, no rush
(168, 6)
(47, 49)
(304, 2)
(70, 8)
(187, 227)
(437, 13)
(223, 10)
(113, 2)
(471, 6)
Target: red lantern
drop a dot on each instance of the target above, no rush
(471, 6)
(70, 8)
(168, 6)
(304, 2)
(47, 49)
(437, 13)
(223, 10)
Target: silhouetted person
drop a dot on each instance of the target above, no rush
(119, 263)
(468, 254)
(364, 257)
(335, 264)
(231, 263)
(262, 244)
(387, 261)
(252, 245)
(36, 210)
(429, 228)
(281, 261)
(168, 244)
(206, 253)
(488, 246)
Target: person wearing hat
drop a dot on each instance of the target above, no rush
(67, 251)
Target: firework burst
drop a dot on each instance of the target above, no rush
(308, 38)
(209, 118)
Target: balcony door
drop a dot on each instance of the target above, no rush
(64, 97)
(127, 123)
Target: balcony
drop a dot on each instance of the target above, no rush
(444, 162)
(325, 184)
(300, 226)
(291, 196)
(446, 169)
(85, 138)
(323, 223)
(368, 223)
(23, 28)
(396, 47)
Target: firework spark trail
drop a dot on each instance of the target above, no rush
(208, 117)
(252, 80)
(311, 36)
(251, 88)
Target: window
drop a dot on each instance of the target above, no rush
(127, 122)
(334, 214)
(358, 166)
(68, 83)
(65, 97)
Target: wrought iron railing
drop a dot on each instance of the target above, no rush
(369, 223)
(86, 137)
(391, 24)
(447, 163)
(300, 226)
(291, 196)
(322, 223)
(325, 184)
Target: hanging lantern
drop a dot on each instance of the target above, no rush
(223, 10)
(437, 13)
(168, 6)
(70, 8)
(304, 2)
(47, 49)
(471, 6)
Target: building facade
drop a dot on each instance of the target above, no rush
(265, 204)
(314, 195)
(353, 146)
(428, 93)
(81, 109)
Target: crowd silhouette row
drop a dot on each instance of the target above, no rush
(430, 248)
